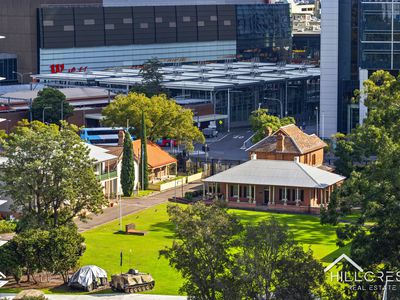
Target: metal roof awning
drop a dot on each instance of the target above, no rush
(208, 118)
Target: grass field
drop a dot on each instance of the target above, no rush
(104, 243)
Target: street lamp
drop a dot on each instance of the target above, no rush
(229, 105)
(22, 75)
(44, 109)
(278, 100)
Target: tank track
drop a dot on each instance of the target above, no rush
(140, 287)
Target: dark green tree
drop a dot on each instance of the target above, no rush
(143, 156)
(49, 175)
(274, 266)
(35, 250)
(261, 122)
(201, 251)
(65, 247)
(53, 103)
(374, 183)
(128, 167)
(152, 79)
(10, 261)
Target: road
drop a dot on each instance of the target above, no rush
(228, 146)
(130, 206)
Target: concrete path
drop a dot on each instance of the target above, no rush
(134, 205)
(105, 297)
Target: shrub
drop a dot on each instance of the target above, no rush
(7, 226)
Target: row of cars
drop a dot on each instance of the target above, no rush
(90, 278)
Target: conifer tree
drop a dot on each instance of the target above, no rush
(143, 156)
(128, 167)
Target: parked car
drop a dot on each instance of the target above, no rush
(210, 132)
(166, 143)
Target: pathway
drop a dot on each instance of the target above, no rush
(130, 206)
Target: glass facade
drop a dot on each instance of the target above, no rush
(264, 31)
(380, 34)
(8, 65)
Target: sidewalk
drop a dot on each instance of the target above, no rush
(105, 297)
(130, 206)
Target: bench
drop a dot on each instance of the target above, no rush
(131, 229)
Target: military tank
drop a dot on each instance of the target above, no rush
(132, 282)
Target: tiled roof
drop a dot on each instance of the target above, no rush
(277, 173)
(296, 141)
(156, 157)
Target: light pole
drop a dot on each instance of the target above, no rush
(278, 100)
(43, 111)
(317, 118)
(22, 75)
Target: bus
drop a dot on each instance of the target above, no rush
(101, 135)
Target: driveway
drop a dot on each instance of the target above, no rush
(130, 206)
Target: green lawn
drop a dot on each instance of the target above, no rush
(105, 243)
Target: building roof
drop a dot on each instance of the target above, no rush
(296, 141)
(277, 173)
(75, 93)
(156, 157)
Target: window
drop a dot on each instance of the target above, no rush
(144, 25)
(172, 24)
(159, 19)
(186, 19)
(127, 20)
(314, 159)
(234, 192)
(110, 27)
(48, 23)
(68, 27)
(227, 23)
(213, 18)
(200, 23)
(89, 22)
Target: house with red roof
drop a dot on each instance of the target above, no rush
(160, 163)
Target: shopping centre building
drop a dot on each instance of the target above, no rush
(226, 92)
(51, 36)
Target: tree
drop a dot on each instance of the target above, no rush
(163, 118)
(65, 247)
(49, 175)
(373, 185)
(35, 250)
(143, 156)
(261, 122)
(201, 251)
(54, 103)
(274, 266)
(152, 79)
(128, 167)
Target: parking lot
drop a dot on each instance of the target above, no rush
(227, 146)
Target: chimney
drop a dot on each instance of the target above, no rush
(280, 142)
(268, 131)
(121, 138)
(253, 156)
